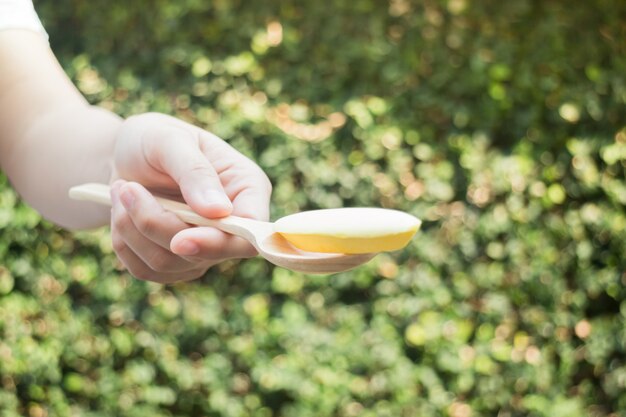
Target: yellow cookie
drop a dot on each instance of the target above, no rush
(348, 230)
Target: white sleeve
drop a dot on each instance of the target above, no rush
(20, 14)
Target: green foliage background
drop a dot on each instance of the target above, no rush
(501, 124)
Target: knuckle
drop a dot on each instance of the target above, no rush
(159, 261)
(151, 115)
(138, 122)
(118, 244)
(201, 168)
(140, 118)
(262, 180)
(211, 249)
(249, 252)
(200, 259)
(173, 279)
(144, 274)
(189, 275)
(195, 274)
(267, 184)
(120, 221)
(170, 129)
(147, 225)
(132, 120)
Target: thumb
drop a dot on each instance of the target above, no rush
(199, 183)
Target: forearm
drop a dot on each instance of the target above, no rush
(63, 148)
(50, 138)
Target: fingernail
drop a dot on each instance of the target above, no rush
(216, 198)
(128, 199)
(187, 248)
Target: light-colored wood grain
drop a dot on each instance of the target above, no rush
(269, 244)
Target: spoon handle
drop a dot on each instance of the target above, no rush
(239, 226)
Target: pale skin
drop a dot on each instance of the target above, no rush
(51, 139)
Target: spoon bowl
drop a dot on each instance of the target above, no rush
(269, 244)
(276, 249)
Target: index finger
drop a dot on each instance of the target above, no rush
(253, 203)
(243, 180)
(178, 153)
(248, 188)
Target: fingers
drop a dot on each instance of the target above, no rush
(177, 153)
(173, 156)
(253, 202)
(139, 269)
(177, 159)
(244, 182)
(141, 231)
(149, 229)
(209, 243)
(148, 218)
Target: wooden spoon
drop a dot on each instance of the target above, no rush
(269, 244)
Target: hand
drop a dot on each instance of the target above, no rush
(175, 159)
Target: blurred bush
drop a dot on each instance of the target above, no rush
(501, 124)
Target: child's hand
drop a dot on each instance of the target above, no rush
(171, 157)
